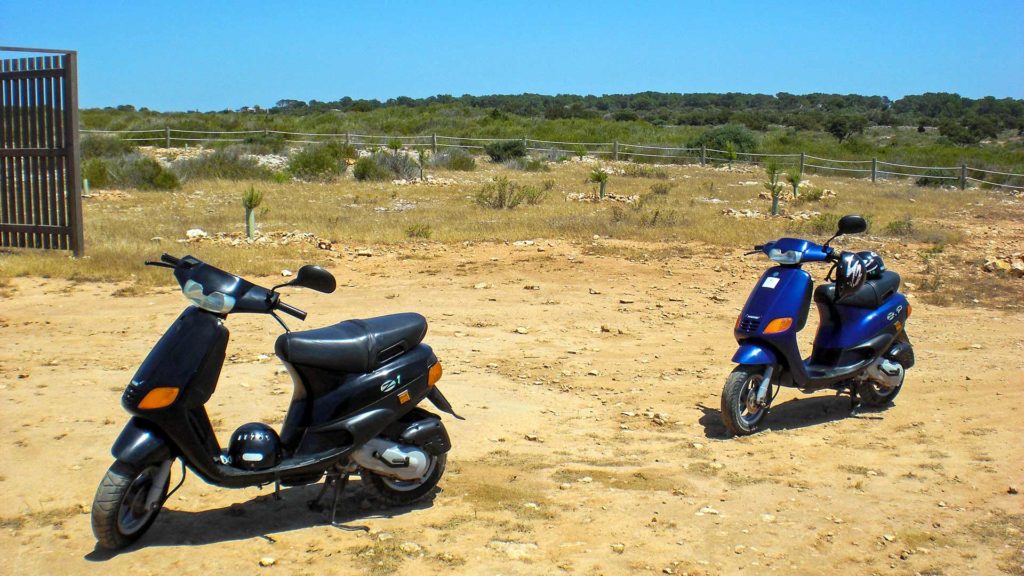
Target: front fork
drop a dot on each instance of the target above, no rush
(763, 394)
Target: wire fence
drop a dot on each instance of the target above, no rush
(873, 168)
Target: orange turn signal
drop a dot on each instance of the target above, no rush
(435, 374)
(778, 325)
(159, 398)
(909, 309)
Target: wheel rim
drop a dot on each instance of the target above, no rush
(133, 513)
(750, 412)
(399, 485)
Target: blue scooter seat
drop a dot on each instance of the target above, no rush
(871, 295)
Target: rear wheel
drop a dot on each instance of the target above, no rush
(127, 502)
(876, 394)
(402, 492)
(740, 412)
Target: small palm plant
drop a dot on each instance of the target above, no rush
(395, 145)
(772, 171)
(730, 152)
(423, 157)
(251, 200)
(580, 150)
(599, 177)
(794, 177)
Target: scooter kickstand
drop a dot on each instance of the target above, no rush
(277, 490)
(314, 504)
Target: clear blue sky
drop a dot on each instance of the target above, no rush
(209, 55)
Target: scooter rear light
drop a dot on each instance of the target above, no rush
(435, 374)
(778, 325)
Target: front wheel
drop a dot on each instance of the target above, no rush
(740, 411)
(403, 492)
(127, 502)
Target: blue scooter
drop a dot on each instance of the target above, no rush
(861, 346)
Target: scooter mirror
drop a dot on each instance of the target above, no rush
(852, 224)
(315, 278)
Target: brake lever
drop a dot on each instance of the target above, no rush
(751, 252)
(160, 264)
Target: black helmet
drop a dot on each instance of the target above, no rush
(873, 265)
(849, 275)
(255, 446)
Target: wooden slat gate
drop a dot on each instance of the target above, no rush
(40, 183)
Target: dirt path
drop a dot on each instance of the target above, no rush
(592, 445)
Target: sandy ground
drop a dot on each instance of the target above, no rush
(592, 445)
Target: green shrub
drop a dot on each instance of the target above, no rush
(97, 172)
(717, 138)
(321, 161)
(366, 169)
(400, 166)
(505, 194)
(228, 164)
(826, 223)
(142, 173)
(505, 150)
(527, 164)
(634, 170)
(661, 188)
(104, 147)
(459, 159)
(265, 144)
(930, 179)
(394, 144)
(810, 195)
(419, 231)
(902, 227)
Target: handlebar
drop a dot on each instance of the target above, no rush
(165, 257)
(290, 310)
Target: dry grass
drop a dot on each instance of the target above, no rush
(123, 232)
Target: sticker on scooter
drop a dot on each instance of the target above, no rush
(390, 384)
(771, 282)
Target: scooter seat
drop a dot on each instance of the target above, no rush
(871, 295)
(353, 346)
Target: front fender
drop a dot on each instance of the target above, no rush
(754, 354)
(140, 444)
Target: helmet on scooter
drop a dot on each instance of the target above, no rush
(873, 265)
(255, 446)
(849, 275)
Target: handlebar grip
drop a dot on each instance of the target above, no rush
(759, 247)
(169, 259)
(290, 310)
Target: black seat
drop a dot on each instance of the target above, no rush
(353, 345)
(871, 295)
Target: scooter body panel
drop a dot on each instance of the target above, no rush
(781, 292)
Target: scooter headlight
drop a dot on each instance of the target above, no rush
(785, 257)
(215, 302)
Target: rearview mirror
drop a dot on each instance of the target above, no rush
(852, 224)
(315, 278)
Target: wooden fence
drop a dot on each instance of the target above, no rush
(872, 168)
(40, 186)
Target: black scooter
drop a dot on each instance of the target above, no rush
(353, 409)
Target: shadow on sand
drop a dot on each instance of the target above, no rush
(259, 517)
(793, 414)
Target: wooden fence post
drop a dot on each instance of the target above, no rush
(524, 142)
(802, 163)
(874, 169)
(167, 136)
(963, 176)
(615, 150)
(703, 154)
(433, 143)
(348, 139)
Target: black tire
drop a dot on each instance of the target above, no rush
(119, 517)
(737, 415)
(875, 396)
(402, 493)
